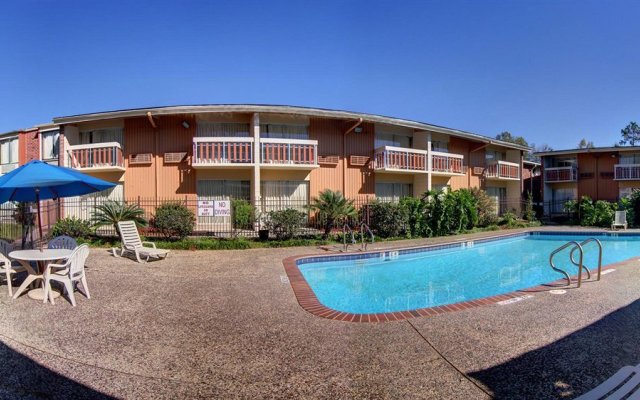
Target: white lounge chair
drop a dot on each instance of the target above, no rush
(132, 243)
(620, 220)
(613, 388)
(69, 274)
(6, 267)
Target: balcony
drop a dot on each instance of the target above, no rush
(560, 174)
(399, 159)
(226, 152)
(102, 157)
(288, 153)
(447, 164)
(626, 172)
(503, 170)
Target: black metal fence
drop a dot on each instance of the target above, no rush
(19, 222)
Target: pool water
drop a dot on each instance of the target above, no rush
(445, 276)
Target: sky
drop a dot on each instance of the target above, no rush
(552, 71)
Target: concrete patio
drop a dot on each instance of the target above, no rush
(226, 324)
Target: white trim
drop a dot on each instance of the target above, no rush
(289, 141)
(506, 163)
(401, 150)
(452, 155)
(222, 139)
(94, 146)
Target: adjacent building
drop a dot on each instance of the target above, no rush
(602, 173)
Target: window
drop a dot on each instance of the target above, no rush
(278, 195)
(393, 192)
(102, 136)
(222, 129)
(440, 146)
(558, 162)
(627, 191)
(9, 151)
(391, 139)
(499, 197)
(494, 155)
(50, 144)
(223, 190)
(633, 158)
(440, 187)
(282, 131)
(560, 196)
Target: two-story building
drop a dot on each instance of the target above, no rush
(272, 156)
(603, 173)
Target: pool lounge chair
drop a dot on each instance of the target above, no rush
(131, 243)
(621, 385)
(620, 220)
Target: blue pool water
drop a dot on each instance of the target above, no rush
(438, 277)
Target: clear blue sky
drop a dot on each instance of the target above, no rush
(552, 71)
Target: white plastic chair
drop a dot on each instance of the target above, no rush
(6, 267)
(68, 274)
(620, 220)
(613, 388)
(132, 243)
(62, 242)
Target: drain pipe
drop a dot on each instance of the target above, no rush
(344, 156)
(155, 152)
(151, 121)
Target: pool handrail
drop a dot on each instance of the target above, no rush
(364, 228)
(346, 228)
(583, 243)
(558, 250)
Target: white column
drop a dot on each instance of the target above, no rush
(255, 183)
(429, 161)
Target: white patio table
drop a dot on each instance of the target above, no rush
(42, 259)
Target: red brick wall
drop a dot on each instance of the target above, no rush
(29, 146)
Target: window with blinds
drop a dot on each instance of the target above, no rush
(50, 145)
(278, 195)
(391, 139)
(282, 131)
(9, 151)
(105, 135)
(393, 192)
(633, 158)
(223, 190)
(222, 129)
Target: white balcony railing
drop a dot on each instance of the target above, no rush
(447, 163)
(627, 172)
(400, 158)
(289, 152)
(503, 170)
(98, 156)
(211, 151)
(560, 174)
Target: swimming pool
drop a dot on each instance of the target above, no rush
(411, 279)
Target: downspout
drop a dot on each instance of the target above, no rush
(344, 156)
(155, 152)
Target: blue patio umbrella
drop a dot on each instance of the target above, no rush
(37, 181)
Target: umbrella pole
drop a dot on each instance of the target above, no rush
(39, 219)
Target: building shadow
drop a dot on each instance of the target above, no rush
(23, 378)
(572, 365)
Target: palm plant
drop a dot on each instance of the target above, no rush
(112, 212)
(332, 207)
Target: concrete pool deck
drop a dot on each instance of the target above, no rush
(226, 324)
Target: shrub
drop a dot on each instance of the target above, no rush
(243, 214)
(74, 227)
(284, 224)
(416, 218)
(632, 205)
(600, 213)
(486, 208)
(112, 212)
(174, 220)
(387, 219)
(509, 219)
(332, 207)
(528, 214)
(450, 212)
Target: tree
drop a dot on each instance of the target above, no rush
(112, 212)
(332, 207)
(584, 144)
(630, 134)
(508, 137)
(537, 149)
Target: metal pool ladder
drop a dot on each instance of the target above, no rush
(575, 246)
(346, 228)
(364, 228)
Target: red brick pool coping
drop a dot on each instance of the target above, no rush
(309, 302)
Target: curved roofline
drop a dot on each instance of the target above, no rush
(280, 109)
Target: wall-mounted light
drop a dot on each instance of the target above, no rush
(614, 155)
(185, 125)
(358, 129)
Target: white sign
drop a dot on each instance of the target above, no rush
(205, 208)
(221, 208)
